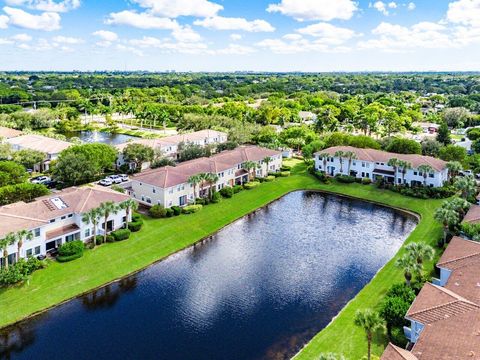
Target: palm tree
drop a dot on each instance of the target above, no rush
(129, 206)
(447, 217)
(425, 170)
(249, 166)
(466, 185)
(350, 155)
(371, 323)
(454, 167)
(211, 180)
(395, 163)
(340, 155)
(267, 160)
(324, 157)
(204, 179)
(457, 204)
(23, 235)
(8, 240)
(106, 209)
(405, 166)
(420, 252)
(194, 180)
(409, 266)
(92, 217)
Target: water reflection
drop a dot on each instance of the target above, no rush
(100, 137)
(15, 339)
(259, 289)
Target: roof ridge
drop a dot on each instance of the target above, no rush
(22, 217)
(86, 200)
(458, 259)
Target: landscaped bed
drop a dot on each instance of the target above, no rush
(161, 237)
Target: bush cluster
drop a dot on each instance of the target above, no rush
(274, 174)
(157, 212)
(190, 209)
(227, 192)
(135, 226)
(366, 181)
(270, 178)
(20, 271)
(345, 179)
(121, 234)
(284, 173)
(251, 185)
(421, 192)
(70, 251)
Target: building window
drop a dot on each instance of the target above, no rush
(153, 190)
(36, 232)
(52, 221)
(63, 217)
(37, 250)
(87, 232)
(29, 252)
(149, 200)
(431, 175)
(415, 173)
(70, 215)
(363, 164)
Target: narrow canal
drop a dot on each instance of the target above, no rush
(259, 289)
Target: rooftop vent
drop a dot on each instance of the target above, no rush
(59, 203)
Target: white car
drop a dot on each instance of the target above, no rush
(40, 180)
(124, 177)
(106, 182)
(116, 179)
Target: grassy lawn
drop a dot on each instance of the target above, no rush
(162, 237)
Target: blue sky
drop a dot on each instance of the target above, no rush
(229, 35)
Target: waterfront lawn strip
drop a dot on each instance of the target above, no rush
(162, 237)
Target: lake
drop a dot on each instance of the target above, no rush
(259, 289)
(100, 137)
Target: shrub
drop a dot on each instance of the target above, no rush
(118, 188)
(135, 226)
(169, 212)
(366, 181)
(398, 337)
(70, 251)
(285, 173)
(346, 179)
(423, 192)
(227, 192)
(200, 201)
(472, 231)
(269, 178)
(121, 234)
(137, 218)
(251, 185)
(20, 271)
(272, 173)
(215, 197)
(190, 209)
(157, 212)
(403, 291)
(177, 210)
(285, 168)
(320, 175)
(64, 259)
(237, 189)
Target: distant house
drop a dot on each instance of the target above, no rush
(373, 164)
(57, 218)
(169, 145)
(168, 186)
(7, 133)
(427, 128)
(51, 147)
(307, 117)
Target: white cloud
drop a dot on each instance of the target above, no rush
(324, 10)
(173, 9)
(141, 20)
(397, 38)
(22, 37)
(235, 37)
(230, 23)
(186, 34)
(129, 49)
(328, 33)
(411, 6)
(236, 49)
(4, 41)
(465, 12)
(381, 7)
(295, 43)
(392, 5)
(67, 40)
(106, 35)
(168, 46)
(3, 22)
(47, 21)
(46, 5)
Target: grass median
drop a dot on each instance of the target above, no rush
(162, 237)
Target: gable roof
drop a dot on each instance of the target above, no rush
(435, 303)
(473, 215)
(40, 143)
(384, 156)
(169, 176)
(393, 352)
(21, 215)
(8, 133)
(459, 251)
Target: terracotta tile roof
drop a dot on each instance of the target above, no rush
(455, 338)
(435, 303)
(67, 229)
(393, 352)
(465, 281)
(473, 215)
(383, 156)
(174, 140)
(8, 133)
(40, 143)
(18, 216)
(169, 176)
(458, 253)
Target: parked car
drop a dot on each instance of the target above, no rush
(466, 173)
(116, 179)
(124, 177)
(106, 182)
(40, 180)
(52, 184)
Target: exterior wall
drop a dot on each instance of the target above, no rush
(413, 332)
(38, 245)
(167, 197)
(44, 165)
(366, 168)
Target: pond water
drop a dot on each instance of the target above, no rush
(259, 289)
(100, 137)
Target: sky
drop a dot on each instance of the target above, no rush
(240, 35)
